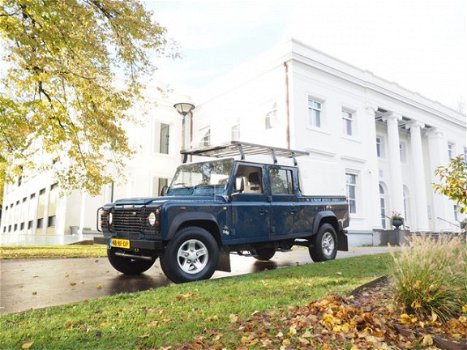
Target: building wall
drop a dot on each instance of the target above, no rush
(371, 100)
(75, 211)
(266, 101)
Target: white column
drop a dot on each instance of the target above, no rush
(396, 190)
(419, 175)
(374, 205)
(438, 156)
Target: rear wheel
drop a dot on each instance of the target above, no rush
(264, 253)
(324, 244)
(128, 266)
(190, 256)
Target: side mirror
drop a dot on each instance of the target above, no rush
(164, 190)
(239, 185)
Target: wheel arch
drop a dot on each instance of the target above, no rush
(203, 220)
(328, 217)
(325, 217)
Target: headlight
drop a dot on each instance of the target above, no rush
(110, 218)
(152, 219)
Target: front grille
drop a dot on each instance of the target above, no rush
(128, 220)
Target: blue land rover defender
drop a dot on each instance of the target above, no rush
(216, 207)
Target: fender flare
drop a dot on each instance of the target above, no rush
(323, 215)
(180, 219)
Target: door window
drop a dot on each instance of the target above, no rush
(251, 176)
(281, 181)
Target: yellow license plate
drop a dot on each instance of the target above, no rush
(120, 243)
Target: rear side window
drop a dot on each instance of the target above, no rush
(281, 181)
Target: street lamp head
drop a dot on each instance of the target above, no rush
(184, 108)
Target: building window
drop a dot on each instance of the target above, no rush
(40, 210)
(347, 120)
(51, 221)
(161, 138)
(406, 203)
(164, 138)
(403, 152)
(20, 176)
(456, 212)
(236, 132)
(314, 113)
(21, 226)
(29, 224)
(351, 183)
(206, 140)
(450, 150)
(382, 203)
(157, 184)
(281, 181)
(380, 147)
(271, 116)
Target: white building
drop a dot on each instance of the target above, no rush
(369, 138)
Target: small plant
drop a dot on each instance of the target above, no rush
(396, 219)
(429, 276)
(463, 224)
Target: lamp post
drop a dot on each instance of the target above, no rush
(185, 108)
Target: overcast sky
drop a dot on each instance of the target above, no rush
(420, 44)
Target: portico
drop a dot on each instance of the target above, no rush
(416, 131)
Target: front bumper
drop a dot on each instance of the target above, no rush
(134, 244)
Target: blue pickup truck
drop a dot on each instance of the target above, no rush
(216, 207)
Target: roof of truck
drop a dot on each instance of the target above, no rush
(238, 148)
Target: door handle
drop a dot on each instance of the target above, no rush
(292, 212)
(263, 211)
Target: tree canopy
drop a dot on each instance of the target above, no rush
(454, 181)
(72, 69)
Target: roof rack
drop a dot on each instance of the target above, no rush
(238, 148)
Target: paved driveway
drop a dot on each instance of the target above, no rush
(37, 283)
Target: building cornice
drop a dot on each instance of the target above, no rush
(368, 80)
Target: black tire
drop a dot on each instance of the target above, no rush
(264, 253)
(191, 255)
(128, 266)
(324, 244)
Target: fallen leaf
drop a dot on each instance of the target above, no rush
(153, 324)
(233, 318)
(99, 286)
(427, 340)
(72, 283)
(27, 345)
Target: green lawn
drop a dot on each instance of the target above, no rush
(67, 251)
(177, 313)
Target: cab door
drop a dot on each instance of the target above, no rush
(250, 205)
(283, 202)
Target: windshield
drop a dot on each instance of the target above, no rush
(207, 178)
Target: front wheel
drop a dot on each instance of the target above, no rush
(324, 244)
(128, 266)
(190, 256)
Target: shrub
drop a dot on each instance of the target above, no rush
(429, 276)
